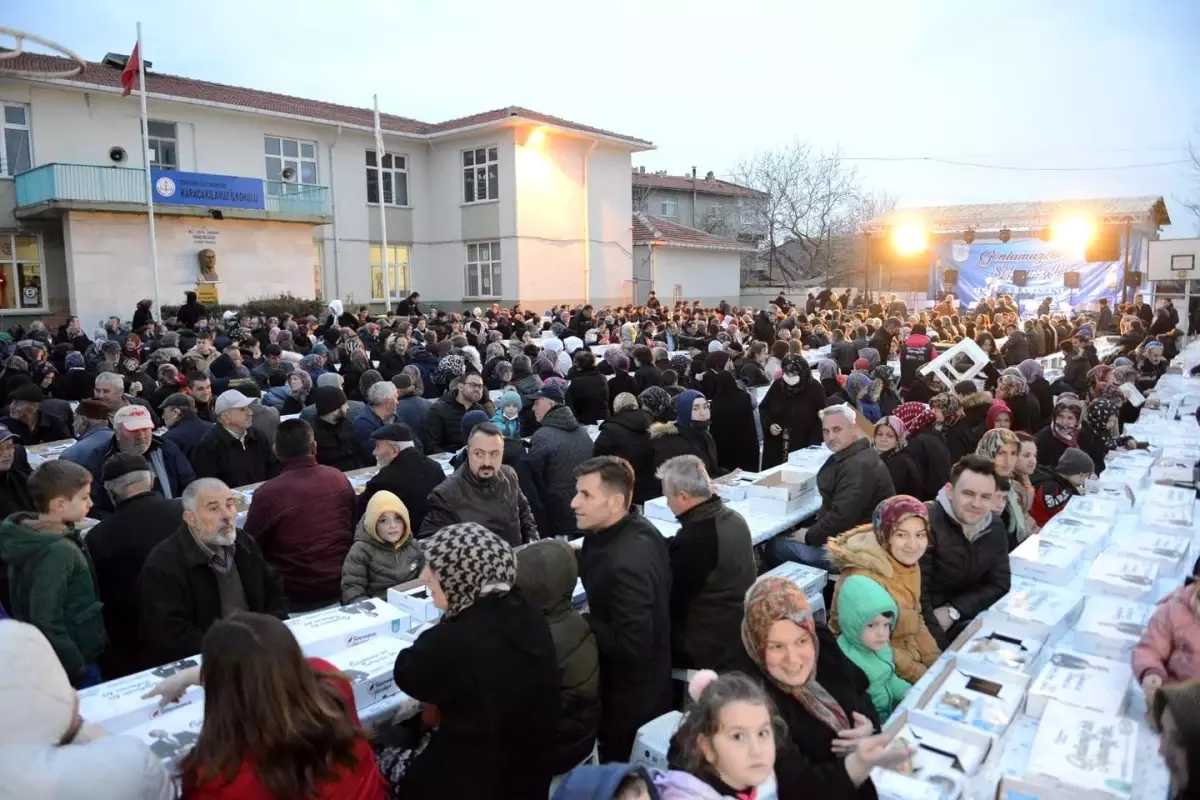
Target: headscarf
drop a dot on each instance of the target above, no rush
(1069, 437)
(367, 380)
(1031, 370)
(657, 401)
(310, 362)
(1122, 375)
(871, 355)
(863, 364)
(886, 375)
(858, 386)
(683, 407)
(681, 364)
(792, 364)
(74, 360)
(770, 600)
(951, 408)
(892, 512)
(915, 416)
(998, 407)
(418, 385)
(1011, 385)
(1020, 490)
(1122, 361)
(306, 385)
(470, 562)
(994, 440)
(1096, 421)
(716, 360)
(1098, 376)
(827, 368)
(897, 426)
(449, 368)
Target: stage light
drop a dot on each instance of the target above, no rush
(1045, 234)
(909, 239)
(968, 236)
(1005, 235)
(1073, 233)
(535, 137)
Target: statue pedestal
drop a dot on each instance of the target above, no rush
(206, 292)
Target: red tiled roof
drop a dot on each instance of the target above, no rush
(683, 183)
(648, 229)
(97, 74)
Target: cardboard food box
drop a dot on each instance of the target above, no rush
(811, 580)
(172, 736)
(1090, 535)
(1121, 576)
(1051, 560)
(1037, 610)
(781, 493)
(1156, 544)
(331, 630)
(414, 598)
(1110, 627)
(1170, 505)
(809, 458)
(733, 486)
(976, 694)
(1077, 749)
(990, 642)
(1173, 471)
(369, 669)
(946, 756)
(1082, 680)
(658, 509)
(1121, 493)
(117, 705)
(1091, 507)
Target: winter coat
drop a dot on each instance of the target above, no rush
(305, 541)
(179, 599)
(50, 428)
(443, 424)
(337, 446)
(373, 566)
(363, 426)
(805, 764)
(497, 504)
(960, 440)
(906, 477)
(587, 396)
(413, 411)
(732, 426)
(646, 377)
(1049, 447)
(1170, 645)
(858, 552)
(427, 364)
(391, 363)
(859, 601)
(845, 354)
(187, 432)
(220, 455)
(753, 375)
(627, 434)
(915, 352)
(411, 476)
(712, 568)
(794, 409)
(1016, 349)
(1051, 492)
(73, 384)
(556, 448)
(164, 456)
(969, 574)
(119, 546)
(546, 574)
(929, 452)
(626, 574)
(851, 482)
(671, 440)
(52, 585)
(492, 673)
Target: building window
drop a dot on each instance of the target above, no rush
(481, 174)
(16, 156)
(483, 269)
(669, 208)
(162, 141)
(21, 282)
(395, 179)
(749, 217)
(317, 253)
(289, 161)
(397, 269)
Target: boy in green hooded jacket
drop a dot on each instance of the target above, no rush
(867, 617)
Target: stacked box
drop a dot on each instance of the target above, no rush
(1084, 751)
(809, 458)
(331, 630)
(117, 705)
(781, 493)
(1082, 680)
(1121, 576)
(1091, 507)
(1037, 610)
(1110, 627)
(976, 694)
(1090, 535)
(1155, 544)
(992, 643)
(369, 669)
(811, 580)
(1051, 560)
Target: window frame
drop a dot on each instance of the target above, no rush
(372, 172)
(473, 169)
(299, 158)
(5, 126)
(495, 267)
(156, 162)
(663, 202)
(11, 260)
(401, 274)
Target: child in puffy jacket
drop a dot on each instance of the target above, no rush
(867, 617)
(1169, 650)
(506, 414)
(384, 553)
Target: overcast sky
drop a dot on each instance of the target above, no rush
(1025, 83)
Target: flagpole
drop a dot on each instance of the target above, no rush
(146, 160)
(387, 282)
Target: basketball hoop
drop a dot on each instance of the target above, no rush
(18, 50)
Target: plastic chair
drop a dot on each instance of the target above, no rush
(943, 366)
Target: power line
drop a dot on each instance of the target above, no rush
(1007, 167)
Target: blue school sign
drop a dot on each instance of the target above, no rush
(199, 189)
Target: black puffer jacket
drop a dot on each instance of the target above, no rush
(587, 395)
(906, 478)
(928, 450)
(558, 446)
(627, 434)
(546, 573)
(969, 574)
(443, 424)
(1016, 349)
(794, 409)
(851, 482)
(497, 504)
(960, 440)
(336, 445)
(670, 440)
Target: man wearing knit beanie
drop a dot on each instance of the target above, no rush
(336, 445)
(1052, 490)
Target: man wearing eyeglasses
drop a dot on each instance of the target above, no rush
(443, 425)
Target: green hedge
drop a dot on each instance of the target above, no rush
(275, 306)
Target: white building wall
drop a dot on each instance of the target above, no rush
(707, 275)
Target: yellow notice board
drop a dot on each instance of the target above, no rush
(206, 294)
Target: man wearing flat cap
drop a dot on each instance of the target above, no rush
(27, 420)
(404, 471)
(184, 426)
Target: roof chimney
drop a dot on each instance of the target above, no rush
(708, 178)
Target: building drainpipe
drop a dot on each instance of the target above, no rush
(587, 228)
(337, 285)
(693, 197)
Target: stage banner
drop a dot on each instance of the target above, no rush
(985, 269)
(199, 189)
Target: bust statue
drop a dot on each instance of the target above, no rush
(208, 265)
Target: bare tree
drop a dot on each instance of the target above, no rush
(1192, 156)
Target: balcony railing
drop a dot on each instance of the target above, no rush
(82, 183)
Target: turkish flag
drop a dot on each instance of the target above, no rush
(130, 73)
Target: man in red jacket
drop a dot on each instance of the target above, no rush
(303, 520)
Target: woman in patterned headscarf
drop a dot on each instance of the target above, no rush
(1039, 388)
(1013, 389)
(1002, 447)
(489, 667)
(889, 552)
(885, 389)
(926, 447)
(822, 697)
(1100, 431)
(952, 422)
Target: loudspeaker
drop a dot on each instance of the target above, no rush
(1020, 276)
(1104, 246)
(1071, 280)
(950, 277)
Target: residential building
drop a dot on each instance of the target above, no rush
(503, 206)
(714, 206)
(679, 262)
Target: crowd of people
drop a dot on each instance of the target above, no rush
(925, 492)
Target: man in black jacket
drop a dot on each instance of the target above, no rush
(443, 425)
(965, 568)
(119, 546)
(851, 483)
(26, 419)
(203, 572)
(405, 472)
(332, 431)
(233, 451)
(626, 574)
(842, 352)
(184, 426)
(712, 567)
